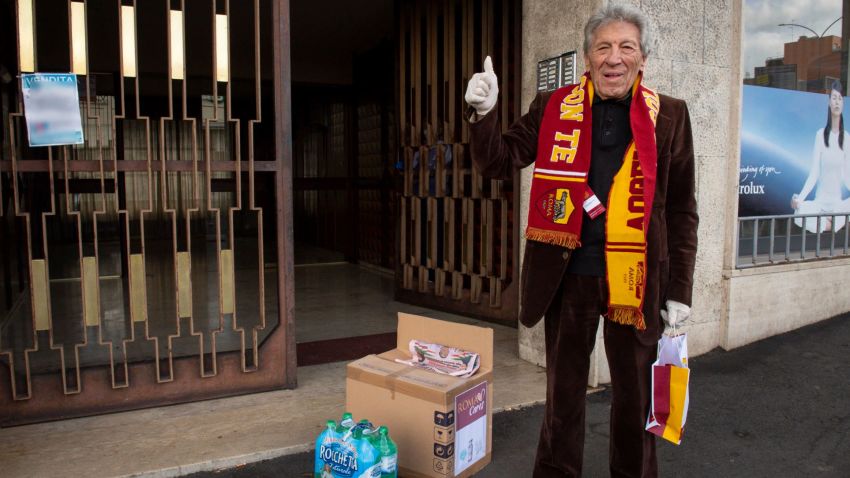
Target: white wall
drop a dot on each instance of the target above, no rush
(767, 301)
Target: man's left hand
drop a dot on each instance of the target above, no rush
(676, 313)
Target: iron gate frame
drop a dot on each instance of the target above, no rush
(97, 394)
(413, 284)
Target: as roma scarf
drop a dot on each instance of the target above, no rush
(559, 190)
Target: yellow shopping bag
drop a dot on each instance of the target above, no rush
(670, 375)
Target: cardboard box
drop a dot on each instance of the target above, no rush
(435, 438)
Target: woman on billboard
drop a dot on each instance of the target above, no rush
(829, 171)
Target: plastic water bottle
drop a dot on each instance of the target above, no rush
(388, 453)
(368, 458)
(345, 423)
(322, 467)
(366, 426)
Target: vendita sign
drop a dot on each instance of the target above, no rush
(52, 109)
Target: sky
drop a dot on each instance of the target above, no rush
(764, 38)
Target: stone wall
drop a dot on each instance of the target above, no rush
(767, 301)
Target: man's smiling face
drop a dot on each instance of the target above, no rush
(614, 59)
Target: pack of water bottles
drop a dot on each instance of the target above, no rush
(354, 450)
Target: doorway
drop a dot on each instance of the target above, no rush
(343, 95)
(389, 213)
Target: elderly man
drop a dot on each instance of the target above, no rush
(612, 231)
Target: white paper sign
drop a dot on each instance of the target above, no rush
(470, 426)
(52, 109)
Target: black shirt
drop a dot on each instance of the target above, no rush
(612, 134)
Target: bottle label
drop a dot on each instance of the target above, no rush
(388, 463)
(339, 458)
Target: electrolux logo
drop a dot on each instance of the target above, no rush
(750, 189)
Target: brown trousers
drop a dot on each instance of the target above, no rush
(570, 324)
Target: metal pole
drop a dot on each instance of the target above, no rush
(832, 239)
(788, 222)
(846, 232)
(283, 185)
(755, 238)
(772, 233)
(817, 237)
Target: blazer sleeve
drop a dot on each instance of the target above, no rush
(681, 211)
(496, 155)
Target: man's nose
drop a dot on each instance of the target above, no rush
(615, 57)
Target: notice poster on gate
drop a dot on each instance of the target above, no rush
(52, 109)
(470, 427)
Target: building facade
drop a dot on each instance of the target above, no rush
(158, 261)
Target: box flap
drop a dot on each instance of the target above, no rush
(462, 336)
(383, 371)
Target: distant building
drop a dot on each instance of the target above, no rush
(808, 64)
(775, 74)
(817, 60)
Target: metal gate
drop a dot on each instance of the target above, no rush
(458, 237)
(152, 264)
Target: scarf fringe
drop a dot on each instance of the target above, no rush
(558, 238)
(627, 316)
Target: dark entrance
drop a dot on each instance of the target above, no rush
(387, 204)
(343, 171)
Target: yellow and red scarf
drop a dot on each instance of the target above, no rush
(559, 190)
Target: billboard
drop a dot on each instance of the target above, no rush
(787, 167)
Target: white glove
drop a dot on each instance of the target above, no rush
(676, 313)
(483, 89)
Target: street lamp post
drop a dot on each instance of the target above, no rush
(843, 53)
(809, 29)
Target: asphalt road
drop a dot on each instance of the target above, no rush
(776, 408)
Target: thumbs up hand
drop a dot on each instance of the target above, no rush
(483, 89)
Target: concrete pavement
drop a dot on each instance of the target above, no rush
(776, 408)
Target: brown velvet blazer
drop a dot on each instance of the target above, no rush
(672, 235)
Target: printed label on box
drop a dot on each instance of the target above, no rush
(444, 451)
(471, 428)
(444, 434)
(445, 419)
(444, 467)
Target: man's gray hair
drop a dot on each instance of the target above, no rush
(613, 12)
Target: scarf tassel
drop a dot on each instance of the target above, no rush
(557, 238)
(627, 316)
